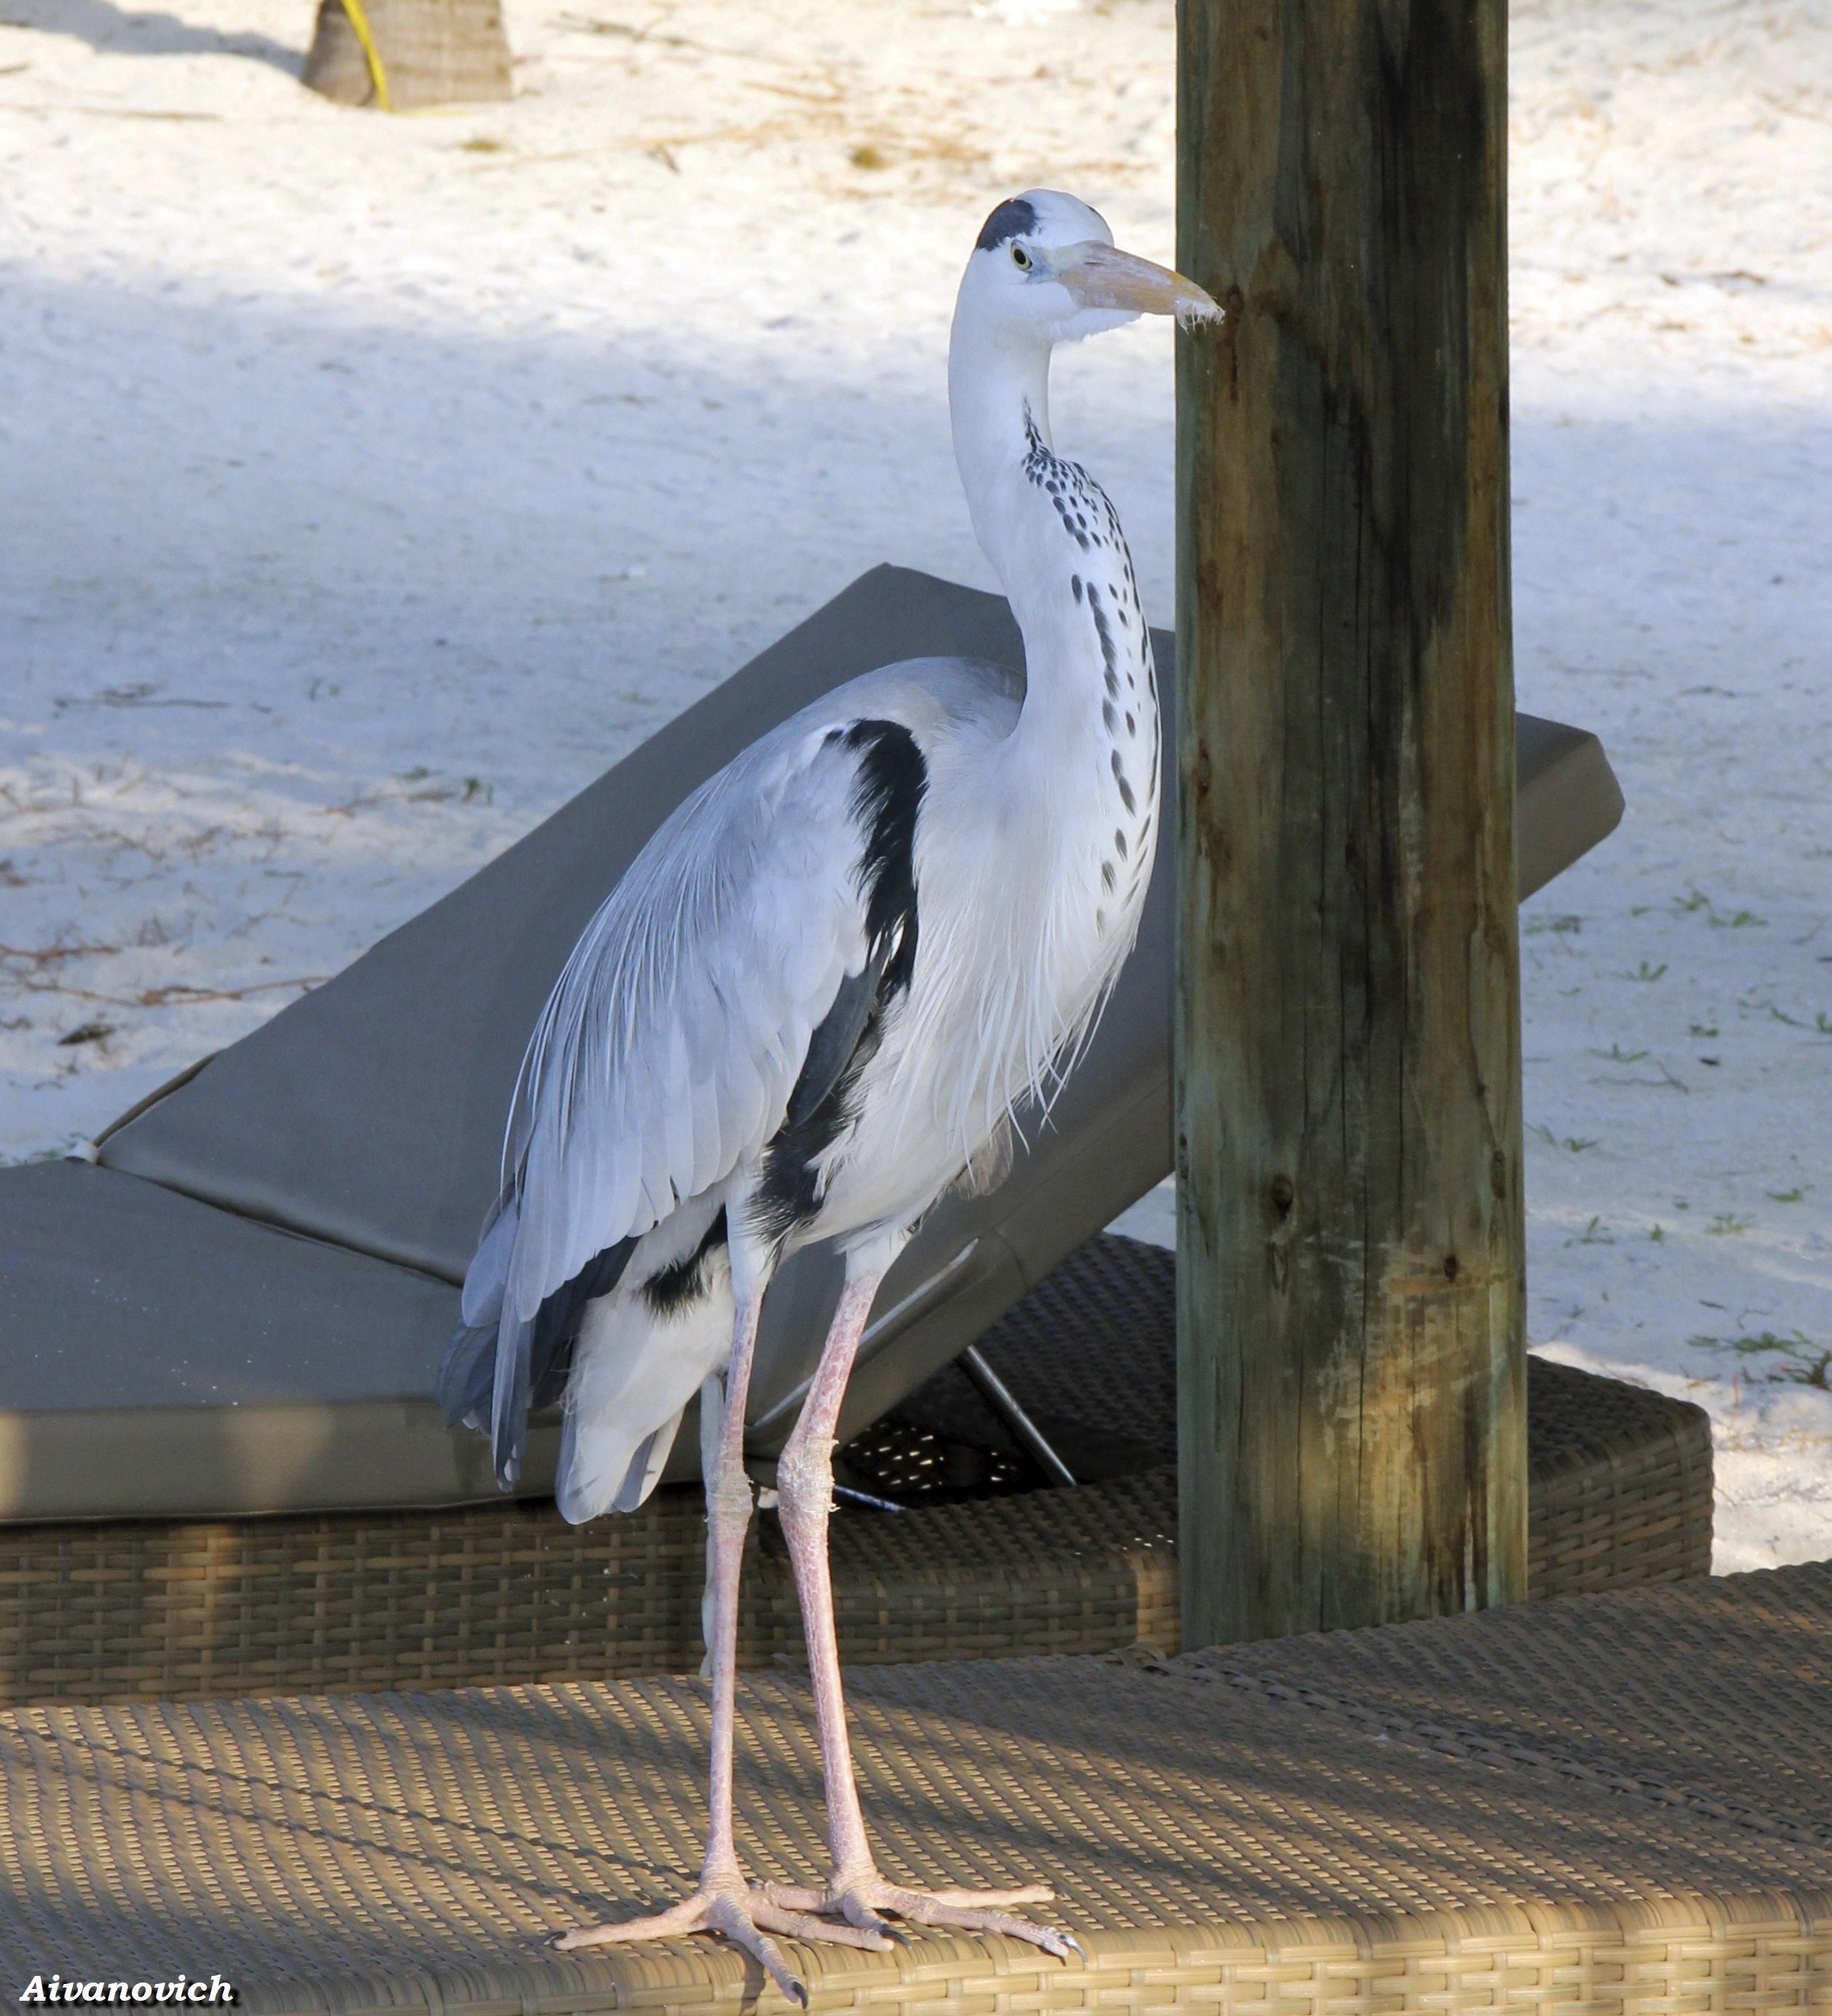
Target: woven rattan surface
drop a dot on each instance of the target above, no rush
(511, 1592)
(1617, 1801)
(508, 1591)
(1620, 1490)
(1094, 1345)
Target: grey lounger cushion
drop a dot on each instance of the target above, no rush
(158, 1355)
(368, 1116)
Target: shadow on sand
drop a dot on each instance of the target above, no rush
(122, 31)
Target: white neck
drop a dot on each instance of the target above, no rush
(992, 388)
(999, 403)
(1077, 780)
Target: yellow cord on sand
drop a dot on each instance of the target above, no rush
(377, 76)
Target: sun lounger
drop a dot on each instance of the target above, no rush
(504, 1591)
(241, 1305)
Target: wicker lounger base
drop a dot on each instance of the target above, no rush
(507, 1593)
(1613, 1802)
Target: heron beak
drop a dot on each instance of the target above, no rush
(1101, 276)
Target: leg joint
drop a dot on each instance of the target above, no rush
(805, 1480)
(729, 1499)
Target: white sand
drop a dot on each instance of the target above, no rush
(370, 484)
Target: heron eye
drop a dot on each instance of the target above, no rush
(1021, 259)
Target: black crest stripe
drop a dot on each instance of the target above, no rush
(1013, 218)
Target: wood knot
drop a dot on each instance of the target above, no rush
(1451, 1267)
(1280, 1194)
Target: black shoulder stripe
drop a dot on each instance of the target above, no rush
(887, 800)
(831, 1047)
(893, 780)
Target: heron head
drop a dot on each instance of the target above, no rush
(1045, 268)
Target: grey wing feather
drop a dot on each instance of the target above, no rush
(728, 963)
(830, 1048)
(668, 1051)
(467, 1371)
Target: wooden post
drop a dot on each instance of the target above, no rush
(1350, 1286)
(399, 55)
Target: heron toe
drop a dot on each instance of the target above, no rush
(743, 1914)
(861, 1899)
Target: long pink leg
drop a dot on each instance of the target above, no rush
(725, 1901)
(804, 1482)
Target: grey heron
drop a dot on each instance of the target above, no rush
(810, 1008)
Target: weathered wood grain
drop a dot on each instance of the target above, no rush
(1352, 1289)
(431, 51)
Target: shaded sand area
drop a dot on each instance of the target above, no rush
(373, 484)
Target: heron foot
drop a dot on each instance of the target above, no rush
(860, 1897)
(744, 1914)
